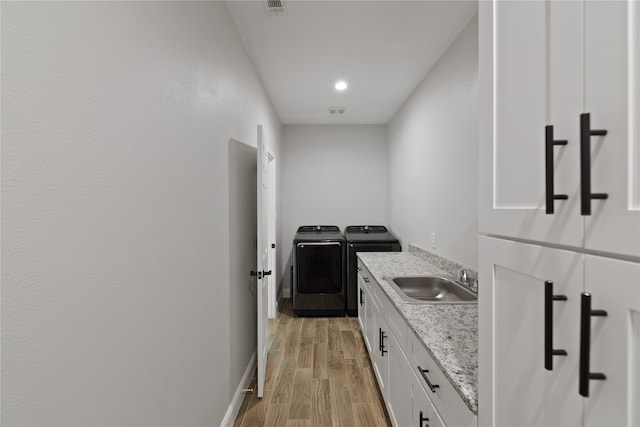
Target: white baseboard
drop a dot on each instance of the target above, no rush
(238, 396)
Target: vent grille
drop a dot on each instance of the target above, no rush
(275, 7)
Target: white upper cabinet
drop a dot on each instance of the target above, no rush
(530, 71)
(542, 65)
(612, 97)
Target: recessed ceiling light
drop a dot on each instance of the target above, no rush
(341, 85)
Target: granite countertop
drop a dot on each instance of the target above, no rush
(449, 331)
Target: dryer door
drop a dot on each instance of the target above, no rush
(319, 267)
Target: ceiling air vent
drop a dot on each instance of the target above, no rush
(275, 7)
(337, 110)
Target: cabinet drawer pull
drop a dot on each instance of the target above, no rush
(382, 336)
(549, 352)
(423, 372)
(585, 344)
(423, 420)
(361, 297)
(550, 143)
(585, 164)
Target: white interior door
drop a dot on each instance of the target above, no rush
(271, 226)
(263, 253)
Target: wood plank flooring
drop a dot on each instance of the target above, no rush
(318, 374)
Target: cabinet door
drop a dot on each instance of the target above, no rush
(530, 74)
(380, 347)
(370, 330)
(612, 97)
(423, 413)
(363, 305)
(398, 388)
(515, 387)
(615, 342)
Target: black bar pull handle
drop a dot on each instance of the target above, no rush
(423, 420)
(585, 344)
(585, 163)
(551, 196)
(423, 372)
(361, 297)
(549, 298)
(383, 348)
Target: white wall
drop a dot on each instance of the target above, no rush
(116, 118)
(433, 156)
(332, 175)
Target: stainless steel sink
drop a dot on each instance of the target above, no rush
(431, 290)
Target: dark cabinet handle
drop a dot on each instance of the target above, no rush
(549, 176)
(361, 297)
(366, 279)
(382, 336)
(423, 372)
(258, 274)
(549, 352)
(585, 344)
(267, 273)
(585, 163)
(423, 420)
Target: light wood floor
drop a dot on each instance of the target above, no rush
(318, 374)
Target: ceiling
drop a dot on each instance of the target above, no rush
(382, 49)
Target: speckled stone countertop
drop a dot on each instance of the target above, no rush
(449, 331)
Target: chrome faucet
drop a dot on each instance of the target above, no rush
(471, 283)
(464, 277)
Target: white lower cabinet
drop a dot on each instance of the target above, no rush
(546, 357)
(396, 393)
(364, 313)
(395, 354)
(614, 287)
(380, 350)
(423, 413)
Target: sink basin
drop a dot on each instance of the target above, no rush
(431, 290)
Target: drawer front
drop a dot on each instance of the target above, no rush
(449, 404)
(377, 295)
(423, 413)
